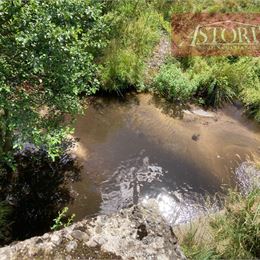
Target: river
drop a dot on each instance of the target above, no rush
(141, 148)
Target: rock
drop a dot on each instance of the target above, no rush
(56, 239)
(98, 229)
(195, 137)
(91, 243)
(79, 235)
(5, 254)
(138, 232)
(203, 113)
(33, 251)
(187, 112)
(141, 231)
(46, 236)
(48, 248)
(71, 246)
(102, 241)
(38, 240)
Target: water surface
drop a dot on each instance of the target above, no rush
(143, 147)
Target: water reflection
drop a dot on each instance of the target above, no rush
(124, 187)
(138, 181)
(248, 176)
(129, 140)
(178, 207)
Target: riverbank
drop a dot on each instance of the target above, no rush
(140, 232)
(232, 233)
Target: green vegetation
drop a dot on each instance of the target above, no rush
(57, 51)
(135, 27)
(46, 61)
(235, 233)
(174, 84)
(62, 220)
(212, 82)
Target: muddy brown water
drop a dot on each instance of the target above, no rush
(143, 148)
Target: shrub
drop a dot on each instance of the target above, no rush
(251, 98)
(173, 83)
(62, 220)
(47, 59)
(214, 80)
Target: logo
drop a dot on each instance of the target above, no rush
(216, 34)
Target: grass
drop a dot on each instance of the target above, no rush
(234, 234)
(136, 27)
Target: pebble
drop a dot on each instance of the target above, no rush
(98, 229)
(71, 246)
(56, 239)
(91, 243)
(46, 236)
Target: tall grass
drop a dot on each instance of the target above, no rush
(215, 81)
(136, 27)
(235, 233)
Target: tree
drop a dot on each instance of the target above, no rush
(48, 49)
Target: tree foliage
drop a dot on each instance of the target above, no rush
(47, 58)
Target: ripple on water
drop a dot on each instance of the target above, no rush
(181, 161)
(127, 187)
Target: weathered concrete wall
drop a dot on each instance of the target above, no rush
(134, 233)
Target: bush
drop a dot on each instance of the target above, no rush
(251, 98)
(174, 84)
(47, 59)
(5, 223)
(215, 81)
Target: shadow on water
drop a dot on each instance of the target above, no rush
(102, 101)
(168, 108)
(136, 148)
(35, 192)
